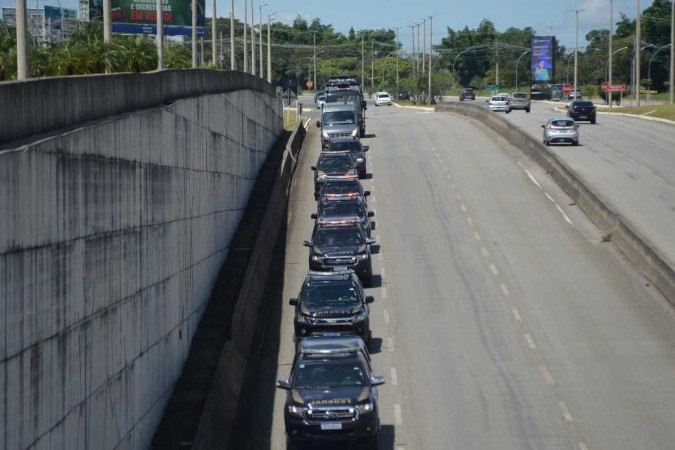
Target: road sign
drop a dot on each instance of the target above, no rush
(567, 88)
(605, 86)
(493, 87)
(618, 88)
(309, 84)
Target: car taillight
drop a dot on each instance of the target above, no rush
(549, 126)
(576, 126)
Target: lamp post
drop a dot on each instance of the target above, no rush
(245, 35)
(21, 44)
(424, 44)
(253, 55)
(232, 65)
(518, 62)
(568, 67)
(320, 52)
(609, 72)
(454, 76)
(609, 52)
(260, 23)
(576, 52)
(637, 54)
(431, 48)
(159, 36)
(269, 50)
(672, 49)
(649, 71)
(314, 57)
(397, 49)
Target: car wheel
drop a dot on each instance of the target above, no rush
(368, 280)
(527, 110)
(292, 444)
(372, 443)
(547, 142)
(508, 111)
(575, 143)
(593, 121)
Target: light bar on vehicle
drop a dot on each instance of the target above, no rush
(338, 221)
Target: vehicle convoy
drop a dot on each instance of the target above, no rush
(499, 103)
(338, 120)
(467, 94)
(337, 189)
(334, 211)
(561, 129)
(355, 148)
(335, 165)
(339, 246)
(331, 395)
(582, 110)
(332, 304)
(520, 100)
(355, 98)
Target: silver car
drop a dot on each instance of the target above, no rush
(499, 103)
(561, 129)
(520, 100)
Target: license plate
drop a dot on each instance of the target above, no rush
(331, 334)
(331, 426)
(339, 268)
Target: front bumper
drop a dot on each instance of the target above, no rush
(363, 426)
(331, 327)
(361, 267)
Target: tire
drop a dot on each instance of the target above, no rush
(547, 142)
(527, 110)
(593, 121)
(292, 444)
(371, 443)
(367, 280)
(575, 143)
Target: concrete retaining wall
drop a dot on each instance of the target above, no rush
(111, 237)
(637, 249)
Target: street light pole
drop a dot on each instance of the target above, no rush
(269, 50)
(260, 22)
(576, 52)
(424, 45)
(518, 62)
(397, 49)
(194, 34)
(107, 28)
(314, 58)
(21, 44)
(253, 55)
(412, 34)
(637, 54)
(649, 71)
(245, 35)
(672, 48)
(431, 48)
(232, 65)
(363, 73)
(568, 68)
(159, 35)
(609, 64)
(372, 63)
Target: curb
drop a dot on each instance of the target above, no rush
(637, 249)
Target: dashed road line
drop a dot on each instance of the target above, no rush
(385, 314)
(485, 252)
(384, 293)
(459, 196)
(530, 341)
(504, 289)
(494, 270)
(532, 178)
(477, 236)
(461, 205)
(566, 412)
(547, 374)
(468, 219)
(390, 344)
(567, 219)
(516, 314)
(448, 176)
(583, 446)
(548, 196)
(394, 377)
(398, 415)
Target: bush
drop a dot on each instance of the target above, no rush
(589, 91)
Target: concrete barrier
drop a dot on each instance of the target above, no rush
(219, 414)
(637, 249)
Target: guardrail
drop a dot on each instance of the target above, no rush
(634, 247)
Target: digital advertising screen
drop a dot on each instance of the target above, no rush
(140, 16)
(542, 58)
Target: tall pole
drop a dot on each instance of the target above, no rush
(363, 74)
(418, 50)
(232, 64)
(253, 55)
(21, 45)
(245, 36)
(397, 45)
(431, 48)
(222, 56)
(424, 45)
(637, 54)
(107, 28)
(214, 45)
(160, 34)
(269, 51)
(672, 48)
(496, 63)
(372, 63)
(412, 34)
(314, 58)
(576, 51)
(194, 34)
(609, 64)
(260, 22)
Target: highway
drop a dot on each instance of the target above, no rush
(501, 320)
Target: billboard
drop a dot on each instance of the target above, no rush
(542, 58)
(140, 16)
(57, 28)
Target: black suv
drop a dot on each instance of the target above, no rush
(341, 247)
(582, 110)
(331, 396)
(333, 164)
(354, 147)
(334, 189)
(467, 94)
(341, 210)
(332, 304)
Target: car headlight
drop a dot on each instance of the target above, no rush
(355, 132)
(325, 134)
(362, 257)
(361, 317)
(316, 258)
(365, 407)
(360, 159)
(297, 410)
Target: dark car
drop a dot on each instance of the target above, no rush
(341, 247)
(332, 304)
(355, 148)
(331, 345)
(334, 189)
(341, 210)
(467, 94)
(335, 165)
(582, 110)
(331, 397)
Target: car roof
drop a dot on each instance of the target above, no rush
(340, 275)
(322, 345)
(551, 119)
(329, 107)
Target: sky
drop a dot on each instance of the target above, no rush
(547, 17)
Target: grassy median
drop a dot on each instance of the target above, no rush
(661, 111)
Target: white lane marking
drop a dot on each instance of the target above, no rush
(390, 343)
(583, 446)
(567, 219)
(548, 196)
(530, 341)
(485, 252)
(453, 186)
(534, 180)
(398, 415)
(372, 199)
(384, 292)
(461, 205)
(547, 374)
(505, 290)
(394, 377)
(494, 270)
(382, 272)
(477, 236)
(566, 412)
(385, 313)
(459, 196)
(468, 219)
(448, 176)
(516, 314)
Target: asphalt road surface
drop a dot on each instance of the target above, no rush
(501, 320)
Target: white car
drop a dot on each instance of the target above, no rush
(499, 103)
(382, 98)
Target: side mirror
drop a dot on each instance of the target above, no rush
(293, 302)
(313, 216)
(370, 240)
(375, 380)
(363, 104)
(366, 148)
(370, 299)
(543, 126)
(371, 213)
(286, 385)
(308, 244)
(366, 193)
(318, 124)
(365, 108)
(313, 168)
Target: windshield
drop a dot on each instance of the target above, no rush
(339, 236)
(326, 374)
(562, 123)
(348, 145)
(336, 164)
(343, 209)
(520, 96)
(341, 188)
(583, 104)
(383, 96)
(498, 99)
(343, 293)
(322, 97)
(338, 118)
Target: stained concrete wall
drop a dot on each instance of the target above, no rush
(111, 236)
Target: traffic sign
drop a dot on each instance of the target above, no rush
(309, 84)
(493, 87)
(567, 88)
(605, 86)
(618, 88)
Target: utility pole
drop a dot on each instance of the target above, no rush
(609, 63)
(672, 48)
(232, 65)
(159, 35)
(576, 51)
(21, 45)
(222, 56)
(496, 63)
(372, 63)
(253, 69)
(424, 45)
(314, 57)
(194, 34)
(214, 46)
(397, 45)
(363, 74)
(260, 22)
(419, 43)
(431, 49)
(269, 50)
(245, 36)
(637, 54)
(107, 29)
(412, 33)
